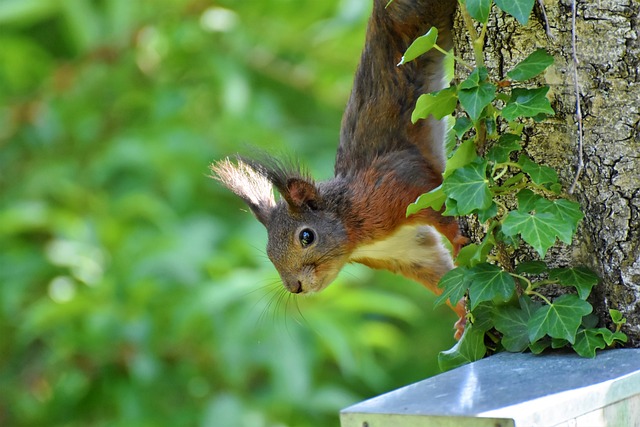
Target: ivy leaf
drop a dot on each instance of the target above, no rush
(434, 199)
(512, 323)
(519, 9)
(588, 341)
(527, 200)
(473, 254)
(581, 278)
(532, 267)
(469, 349)
(486, 214)
(618, 336)
(420, 45)
(531, 66)
(464, 154)
(454, 284)
(527, 103)
(516, 179)
(462, 125)
(469, 256)
(558, 343)
(539, 230)
(439, 104)
(477, 76)
(491, 125)
(564, 210)
(451, 208)
(475, 93)
(479, 9)
(539, 174)
(561, 319)
(481, 317)
(611, 337)
(468, 186)
(499, 152)
(539, 346)
(616, 317)
(488, 282)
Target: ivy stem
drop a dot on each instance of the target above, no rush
(504, 170)
(524, 279)
(512, 164)
(457, 58)
(477, 42)
(539, 295)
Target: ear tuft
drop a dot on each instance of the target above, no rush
(248, 183)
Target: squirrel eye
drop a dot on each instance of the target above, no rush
(307, 237)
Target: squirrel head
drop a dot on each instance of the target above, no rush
(307, 240)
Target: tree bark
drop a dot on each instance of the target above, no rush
(608, 54)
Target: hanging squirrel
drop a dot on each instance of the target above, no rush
(383, 163)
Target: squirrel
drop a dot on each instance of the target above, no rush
(383, 163)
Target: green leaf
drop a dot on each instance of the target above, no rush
(454, 285)
(469, 256)
(500, 151)
(539, 346)
(477, 76)
(439, 104)
(519, 9)
(531, 66)
(617, 317)
(561, 319)
(581, 278)
(485, 215)
(516, 179)
(451, 208)
(469, 349)
(479, 9)
(512, 323)
(473, 254)
(611, 337)
(434, 199)
(619, 336)
(489, 282)
(564, 210)
(462, 125)
(527, 103)
(539, 174)
(468, 186)
(481, 317)
(558, 343)
(527, 200)
(532, 267)
(588, 341)
(490, 124)
(464, 154)
(475, 99)
(420, 45)
(539, 230)
(590, 321)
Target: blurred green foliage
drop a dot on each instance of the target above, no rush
(134, 291)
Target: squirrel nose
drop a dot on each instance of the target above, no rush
(295, 287)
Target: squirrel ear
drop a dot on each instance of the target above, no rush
(252, 186)
(299, 193)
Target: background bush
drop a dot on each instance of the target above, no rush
(134, 291)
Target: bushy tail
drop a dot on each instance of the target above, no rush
(378, 115)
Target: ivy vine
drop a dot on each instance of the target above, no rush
(518, 200)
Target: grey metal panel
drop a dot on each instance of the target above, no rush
(528, 389)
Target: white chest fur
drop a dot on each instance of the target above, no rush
(411, 244)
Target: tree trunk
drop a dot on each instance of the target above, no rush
(608, 51)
